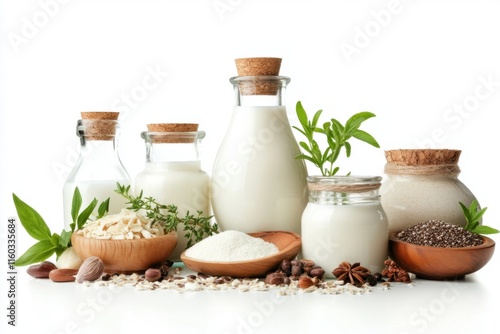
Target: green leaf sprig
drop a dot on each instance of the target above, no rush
(48, 242)
(196, 227)
(337, 137)
(473, 215)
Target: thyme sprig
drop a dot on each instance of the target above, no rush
(195, 227)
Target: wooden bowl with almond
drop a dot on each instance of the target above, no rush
(439, 263)
(126, 256)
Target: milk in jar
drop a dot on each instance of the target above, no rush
(345, 222)
(173, 173)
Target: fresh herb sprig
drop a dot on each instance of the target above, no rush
(48, 242)
(473, 215)
(337, 137)
(196, 227)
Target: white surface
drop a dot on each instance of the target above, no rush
(429, 70)
(466, 306)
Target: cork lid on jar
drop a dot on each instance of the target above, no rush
(261, 69)
(99, 125)
(422, 157)
(422, 161)
(172, 132)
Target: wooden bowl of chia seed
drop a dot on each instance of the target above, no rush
(435, 259)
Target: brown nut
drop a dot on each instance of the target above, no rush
(276, 278)
(63, 275)
(90, 270)
(286, 267)
(296, 271)
(306, 281)
(317, 272)
(307, 263)
(152, 274)
(41, 270)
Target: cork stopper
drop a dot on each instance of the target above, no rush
(172, 132)
(99, 125)
(423, 157)
(256, 67)
(109, 115)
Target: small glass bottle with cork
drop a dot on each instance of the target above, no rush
(173, 173)
(98, 167)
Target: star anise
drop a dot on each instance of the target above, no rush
(351, 273)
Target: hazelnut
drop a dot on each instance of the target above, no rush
(275, 278)
(317, 272)
(286, 267)
(296, 270)
(306, 282)
(307, 263)
(41, 270)
(152, 274)
(90, 270)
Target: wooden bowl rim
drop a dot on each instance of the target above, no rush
(295, 243)
(487, 243)
(145, 240)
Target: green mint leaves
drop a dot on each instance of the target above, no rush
(337, 137)
(48, 242)
(473, 216)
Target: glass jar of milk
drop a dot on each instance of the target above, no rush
(98, 167)
(173, 173)
(423, 184)
(257, 184)
(344, 221)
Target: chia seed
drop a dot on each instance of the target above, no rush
(437, 233)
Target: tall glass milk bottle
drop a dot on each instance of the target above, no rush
(257, 184)
(98, 167)
(173, 173)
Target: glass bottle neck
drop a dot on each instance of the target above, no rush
(344, 190)
(261, 90)
(99, 150)
(98, 159)
(172, 146)
(98, 139)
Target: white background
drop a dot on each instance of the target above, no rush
(429, 70)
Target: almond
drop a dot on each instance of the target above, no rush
(63, 275)
(90, 270)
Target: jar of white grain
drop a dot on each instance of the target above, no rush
(423, 184)
(344, 221)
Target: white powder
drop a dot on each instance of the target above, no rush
(231, 246)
